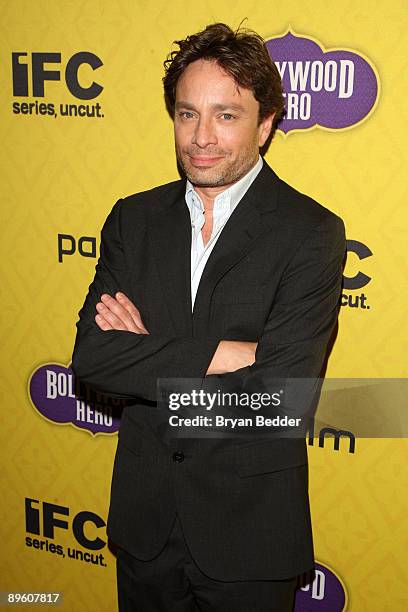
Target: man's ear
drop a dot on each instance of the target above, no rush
(265, 128)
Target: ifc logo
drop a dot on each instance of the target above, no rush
(30, 76)
(39, 74)
(359, 280)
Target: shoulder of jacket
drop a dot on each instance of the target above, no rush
(303, 210)
(143, 200)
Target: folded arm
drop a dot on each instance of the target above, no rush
(116, 354)
(304, 313)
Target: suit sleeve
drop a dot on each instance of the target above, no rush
(295, 338)
(123, 364)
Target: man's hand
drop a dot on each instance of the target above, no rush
(232, 355)
(119, 313)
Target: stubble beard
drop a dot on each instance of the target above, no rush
(217, 177)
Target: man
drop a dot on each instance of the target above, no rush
(229, 274)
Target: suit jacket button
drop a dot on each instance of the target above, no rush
(178, 456)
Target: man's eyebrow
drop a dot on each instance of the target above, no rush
(236, 107)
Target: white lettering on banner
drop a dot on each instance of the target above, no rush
(96, 415)
(298, 107)
(318, 76)
(318, 585)
(59, 385)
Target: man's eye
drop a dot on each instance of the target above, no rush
(186, 114)
(227, 116)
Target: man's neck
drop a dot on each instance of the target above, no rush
(208, 194)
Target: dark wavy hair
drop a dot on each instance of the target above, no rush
(242, 54)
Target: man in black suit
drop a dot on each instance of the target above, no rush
(232, 276)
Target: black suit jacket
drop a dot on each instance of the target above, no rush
(273, 277)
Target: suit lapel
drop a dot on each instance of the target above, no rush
(253, 217)
(171, 237)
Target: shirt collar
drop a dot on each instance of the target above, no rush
(230, 196)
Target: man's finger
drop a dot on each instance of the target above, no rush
(121, 321)
(102, 323)
(111, 318)
(116, 314)
(106, 326)
(128, 304)
(132, 309)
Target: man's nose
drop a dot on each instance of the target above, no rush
(204, 134)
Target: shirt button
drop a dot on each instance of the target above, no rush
(178, 457)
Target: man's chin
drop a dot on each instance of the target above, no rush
(203, 177)
(201, 180)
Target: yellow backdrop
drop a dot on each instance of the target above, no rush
(68, 153)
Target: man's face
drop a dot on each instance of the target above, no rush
(217, 136)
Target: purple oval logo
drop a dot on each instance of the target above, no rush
(59, 398)
(333, 89)
(320, 591)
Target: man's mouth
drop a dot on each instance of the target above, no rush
(204, 160)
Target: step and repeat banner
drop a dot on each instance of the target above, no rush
(84, 123)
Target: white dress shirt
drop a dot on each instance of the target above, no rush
(224, 204)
